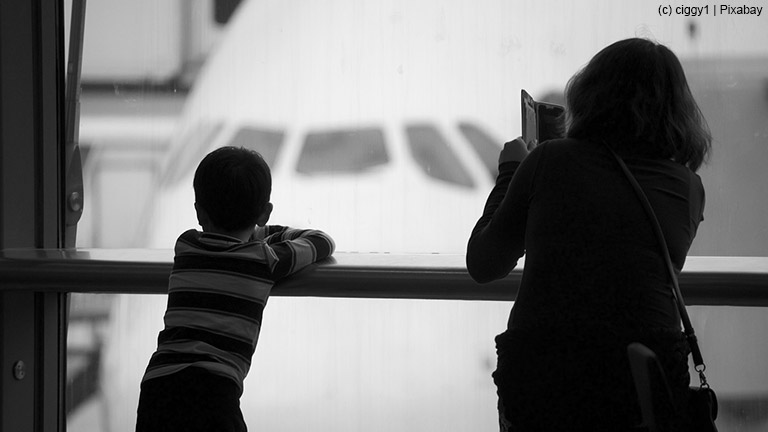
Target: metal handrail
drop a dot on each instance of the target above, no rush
(737, 281)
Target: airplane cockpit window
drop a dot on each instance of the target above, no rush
(435, 156)
(484, 145)
(349, 151)
(196, 144)
(266, 142)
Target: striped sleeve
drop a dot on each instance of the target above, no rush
(295, 249)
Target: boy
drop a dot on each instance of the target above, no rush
(218, 288)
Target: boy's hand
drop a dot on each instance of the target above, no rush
(513, 151)
(259, 233)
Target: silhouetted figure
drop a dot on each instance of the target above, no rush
(217, 291)
(594, 278)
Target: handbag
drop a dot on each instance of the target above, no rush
(702, 401)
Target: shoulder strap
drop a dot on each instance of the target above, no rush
(698, 360)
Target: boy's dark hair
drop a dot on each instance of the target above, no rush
(634, 95)
(233, 185)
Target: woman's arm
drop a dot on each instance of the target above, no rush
(498, 239)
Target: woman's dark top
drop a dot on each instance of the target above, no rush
(594, 279)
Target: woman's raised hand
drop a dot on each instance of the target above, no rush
(514, 151)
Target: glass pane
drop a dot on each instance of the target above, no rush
(730, 341)
(193, 75)
(373, 364)
(89, 325)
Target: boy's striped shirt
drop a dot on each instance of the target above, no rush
(217, 292)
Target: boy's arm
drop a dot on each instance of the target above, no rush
(295, 248)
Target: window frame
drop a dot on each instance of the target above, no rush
(32, 149)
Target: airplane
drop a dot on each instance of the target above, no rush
(382, 123)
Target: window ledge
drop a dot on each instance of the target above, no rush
(739, 281)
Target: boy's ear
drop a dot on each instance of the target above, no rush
(264, 216)
(202, 216)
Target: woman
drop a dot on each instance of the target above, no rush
(594, 277)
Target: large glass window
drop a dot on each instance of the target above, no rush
(382, 123)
